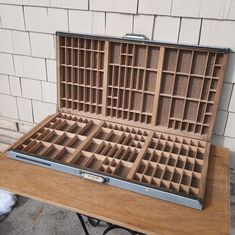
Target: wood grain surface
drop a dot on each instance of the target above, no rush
(128, 209)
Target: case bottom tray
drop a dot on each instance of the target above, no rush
(160, 165)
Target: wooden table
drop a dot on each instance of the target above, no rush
(121, 207)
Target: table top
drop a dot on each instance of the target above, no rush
(124, 208)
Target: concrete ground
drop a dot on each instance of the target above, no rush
(31, 217)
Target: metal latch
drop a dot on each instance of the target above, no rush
(91, 177)
(135, 36)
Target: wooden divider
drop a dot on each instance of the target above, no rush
(160, 87)
(152, 158)
(139, 111)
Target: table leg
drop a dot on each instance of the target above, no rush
(95, 222)
(112, 227)
(83, 224)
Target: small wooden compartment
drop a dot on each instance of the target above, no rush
(133, 114)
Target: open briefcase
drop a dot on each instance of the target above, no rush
(135, 114)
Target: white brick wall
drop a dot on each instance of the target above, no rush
(12, 17)
(31, 89)
(189, 31)
(6, 44)
(21, 43)
(24, 128)
(187, 8)
(230, 127)
(46, 20)
(6, 124)
(42, 45)
(232, 102)
(8, 107)
(49, 92)
(212, 9)
(218, 33)
(225, 96)
(27, 46)
(87, 22)
(6, 65)
(41, 110)
(230, 73)
(51, 70)
(4, 84)
(30, 67)
(73, 4)
(143, 24)
(129, 6)
(15, 86)
(161, 7)
(166, 29)
(220, 122)
(118, 24)
(230, 11)
(25, 109)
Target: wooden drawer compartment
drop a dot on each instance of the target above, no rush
(134, 114)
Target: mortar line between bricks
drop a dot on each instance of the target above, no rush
(66, 8)
(137, 7)
(18, 113)
(225, 124)
(226, 136)
(15, 120)
(230, 96)
(132, 25)
(121, 12)
(20, 86)
(200, 32)
(23, 97)
(19, 76)
(35, 57)
(230, 5)
(153, 29)
(46, 69)
(171, 7)
(24, 16)
(105, 24)
(68, 20)
(9, 87)
(13, 44)
(88, 5)
(32, 110)
(30, 46)
(28, 31)
(13, 62)
(178, 37)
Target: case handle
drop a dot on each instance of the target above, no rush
(135, 36)
(95, 178)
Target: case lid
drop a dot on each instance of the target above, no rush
(170, 88)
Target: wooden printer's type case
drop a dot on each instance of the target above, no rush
(135, 114)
